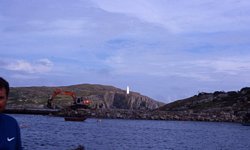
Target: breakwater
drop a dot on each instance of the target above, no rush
(167, 115)
(216, 116)
(32, 111)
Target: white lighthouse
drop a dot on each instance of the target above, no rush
(127, 89)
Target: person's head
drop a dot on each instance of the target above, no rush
(4, 93)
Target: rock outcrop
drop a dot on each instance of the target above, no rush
(217, 106)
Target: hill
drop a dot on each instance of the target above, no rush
(225, 106)
(102, 95)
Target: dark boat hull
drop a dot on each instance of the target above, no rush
(245, 123)
(75, 118)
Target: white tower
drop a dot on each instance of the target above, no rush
(127, 89)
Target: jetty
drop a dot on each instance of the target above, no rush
(31, 111)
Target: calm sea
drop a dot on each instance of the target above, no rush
(53, 133)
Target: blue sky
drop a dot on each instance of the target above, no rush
(164, 49)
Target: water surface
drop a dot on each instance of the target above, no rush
(53, 133)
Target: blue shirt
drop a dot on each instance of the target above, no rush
(10, 138)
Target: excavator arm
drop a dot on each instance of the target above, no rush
(57, 92)
(77, 102)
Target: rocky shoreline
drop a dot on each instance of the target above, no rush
(167, 115)
(138, 114)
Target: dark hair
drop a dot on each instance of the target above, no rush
(4, 84)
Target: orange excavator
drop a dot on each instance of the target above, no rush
(77, 102)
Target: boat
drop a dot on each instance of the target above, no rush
(245, 123)
(75, 118)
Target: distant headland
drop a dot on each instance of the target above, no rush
(220, 106)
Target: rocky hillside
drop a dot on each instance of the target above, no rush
(100, 95)
(231, 105)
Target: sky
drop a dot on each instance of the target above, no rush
(164, 49)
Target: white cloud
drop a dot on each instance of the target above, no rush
(24, 77)
(58, 27)
(185, 16)
(231, 66)
(39, 66)
(166, 65)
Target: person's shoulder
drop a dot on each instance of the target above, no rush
(8, 118)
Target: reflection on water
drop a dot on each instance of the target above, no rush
(52, 133)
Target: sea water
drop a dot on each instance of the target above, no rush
(53, 133)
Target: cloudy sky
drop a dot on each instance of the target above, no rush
(165, 49)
